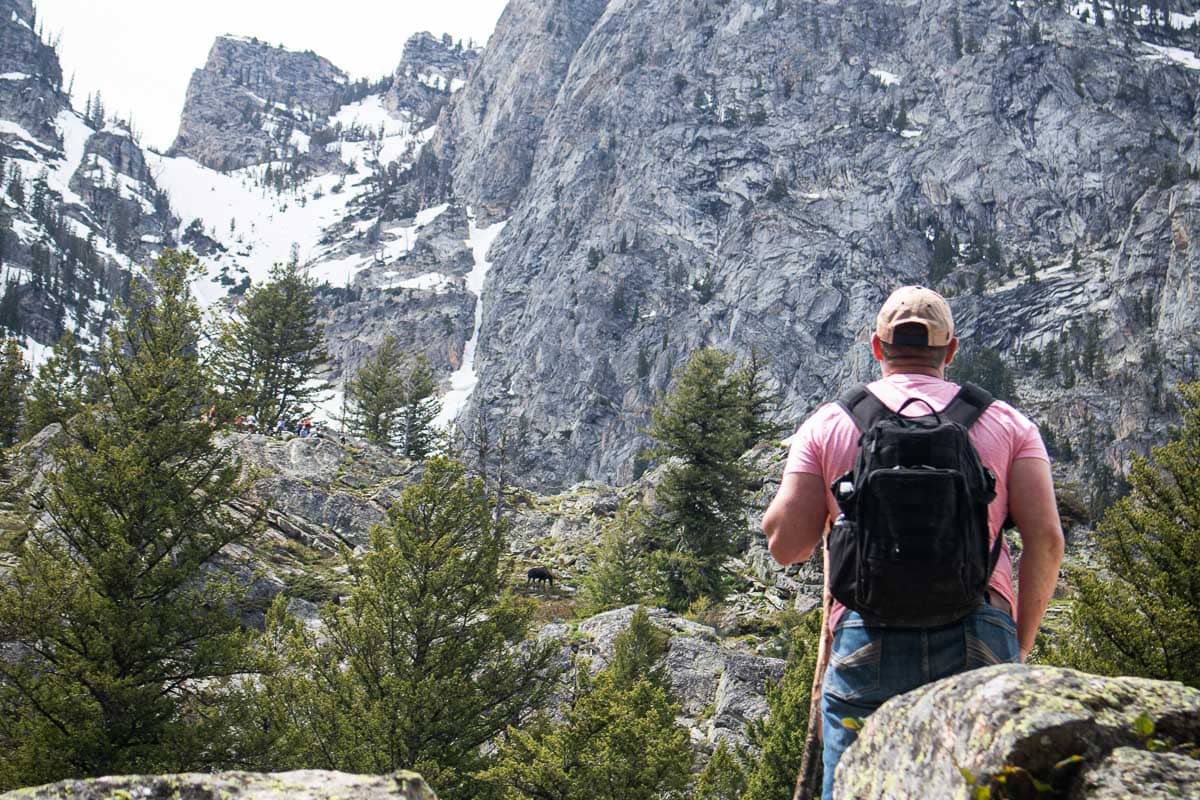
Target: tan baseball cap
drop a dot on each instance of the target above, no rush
(916, 304)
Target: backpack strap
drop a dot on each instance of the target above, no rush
(968, 405)
(862, 406)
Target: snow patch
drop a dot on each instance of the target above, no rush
(434, 282)
(911, 133)
(464, 379)
(1178, 55)
(14, 76)
(885, 77)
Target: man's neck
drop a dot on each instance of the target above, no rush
(901, 368)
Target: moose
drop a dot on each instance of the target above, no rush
(539, 575)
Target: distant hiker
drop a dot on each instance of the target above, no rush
(539, 575)
(916, 553)
(280, 428)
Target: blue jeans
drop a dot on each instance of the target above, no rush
(869, 665)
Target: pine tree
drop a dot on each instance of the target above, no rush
(618, 741)
(724, 777)
(700, 434)
(1139, 613)
(375, 394)
(988, 369)
(758, 402)
(424, 662)
(418, 437)
(14, 378)
(618, 575)
(124, 640)
(779, 737)
(60, 389)
(272, 350)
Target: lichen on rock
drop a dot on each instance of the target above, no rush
(944, 739)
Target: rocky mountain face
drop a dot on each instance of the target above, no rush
(252, 103)
(758, 174)
(429, 72)
(80, 208)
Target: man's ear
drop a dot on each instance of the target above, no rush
(951, 349)
(876, 347)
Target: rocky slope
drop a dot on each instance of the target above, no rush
(759, 173)
(80, 209)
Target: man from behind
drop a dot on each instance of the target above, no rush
(875, 657)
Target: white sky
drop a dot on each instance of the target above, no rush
(140, 54)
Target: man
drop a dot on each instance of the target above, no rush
(914, 342)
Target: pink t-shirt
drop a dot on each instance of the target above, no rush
(827, 444)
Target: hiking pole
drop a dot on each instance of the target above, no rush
(806, 788)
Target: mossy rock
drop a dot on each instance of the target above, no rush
(1011, 724)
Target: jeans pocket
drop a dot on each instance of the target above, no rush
(991, 638)
(854, 664)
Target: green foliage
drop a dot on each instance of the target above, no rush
(1140, 613)
(944, 256)
(126, 642)
(61, 387)
(723, 778)
(392, 400)
(271, 350)
(988, 369)
(424, 662)
(758, 402)
(779, 737)
(375, 394)
(14, 379)
(618, 741)
(418, 438)
(618, 577)
(700, 430)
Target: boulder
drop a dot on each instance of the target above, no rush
(1084, 735)
(300, 785)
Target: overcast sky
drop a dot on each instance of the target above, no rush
(140, 54)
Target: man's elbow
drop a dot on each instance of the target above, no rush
(785, 549)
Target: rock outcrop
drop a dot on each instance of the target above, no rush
(300, 785)
(253, 102)
(430, 71)
(1083, 735)
(720, 689)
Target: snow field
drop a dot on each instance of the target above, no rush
(465, 378)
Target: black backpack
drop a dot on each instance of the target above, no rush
(911, 548)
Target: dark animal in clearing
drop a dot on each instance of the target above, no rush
(539, 575)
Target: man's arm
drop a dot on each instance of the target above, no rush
(796, 517)
(1032, 505)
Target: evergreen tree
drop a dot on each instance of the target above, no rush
(1049, 366)
(375, 394)
(618, 741)
(618, 575)
(424, 662)
(758, 402)
(418, 437)
(272, 350)
(124, 643)
(60, 389)
(14, 378)
(1139, 614)
(988, 369)
(779, 737)
(700, 432)
(724, 777)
